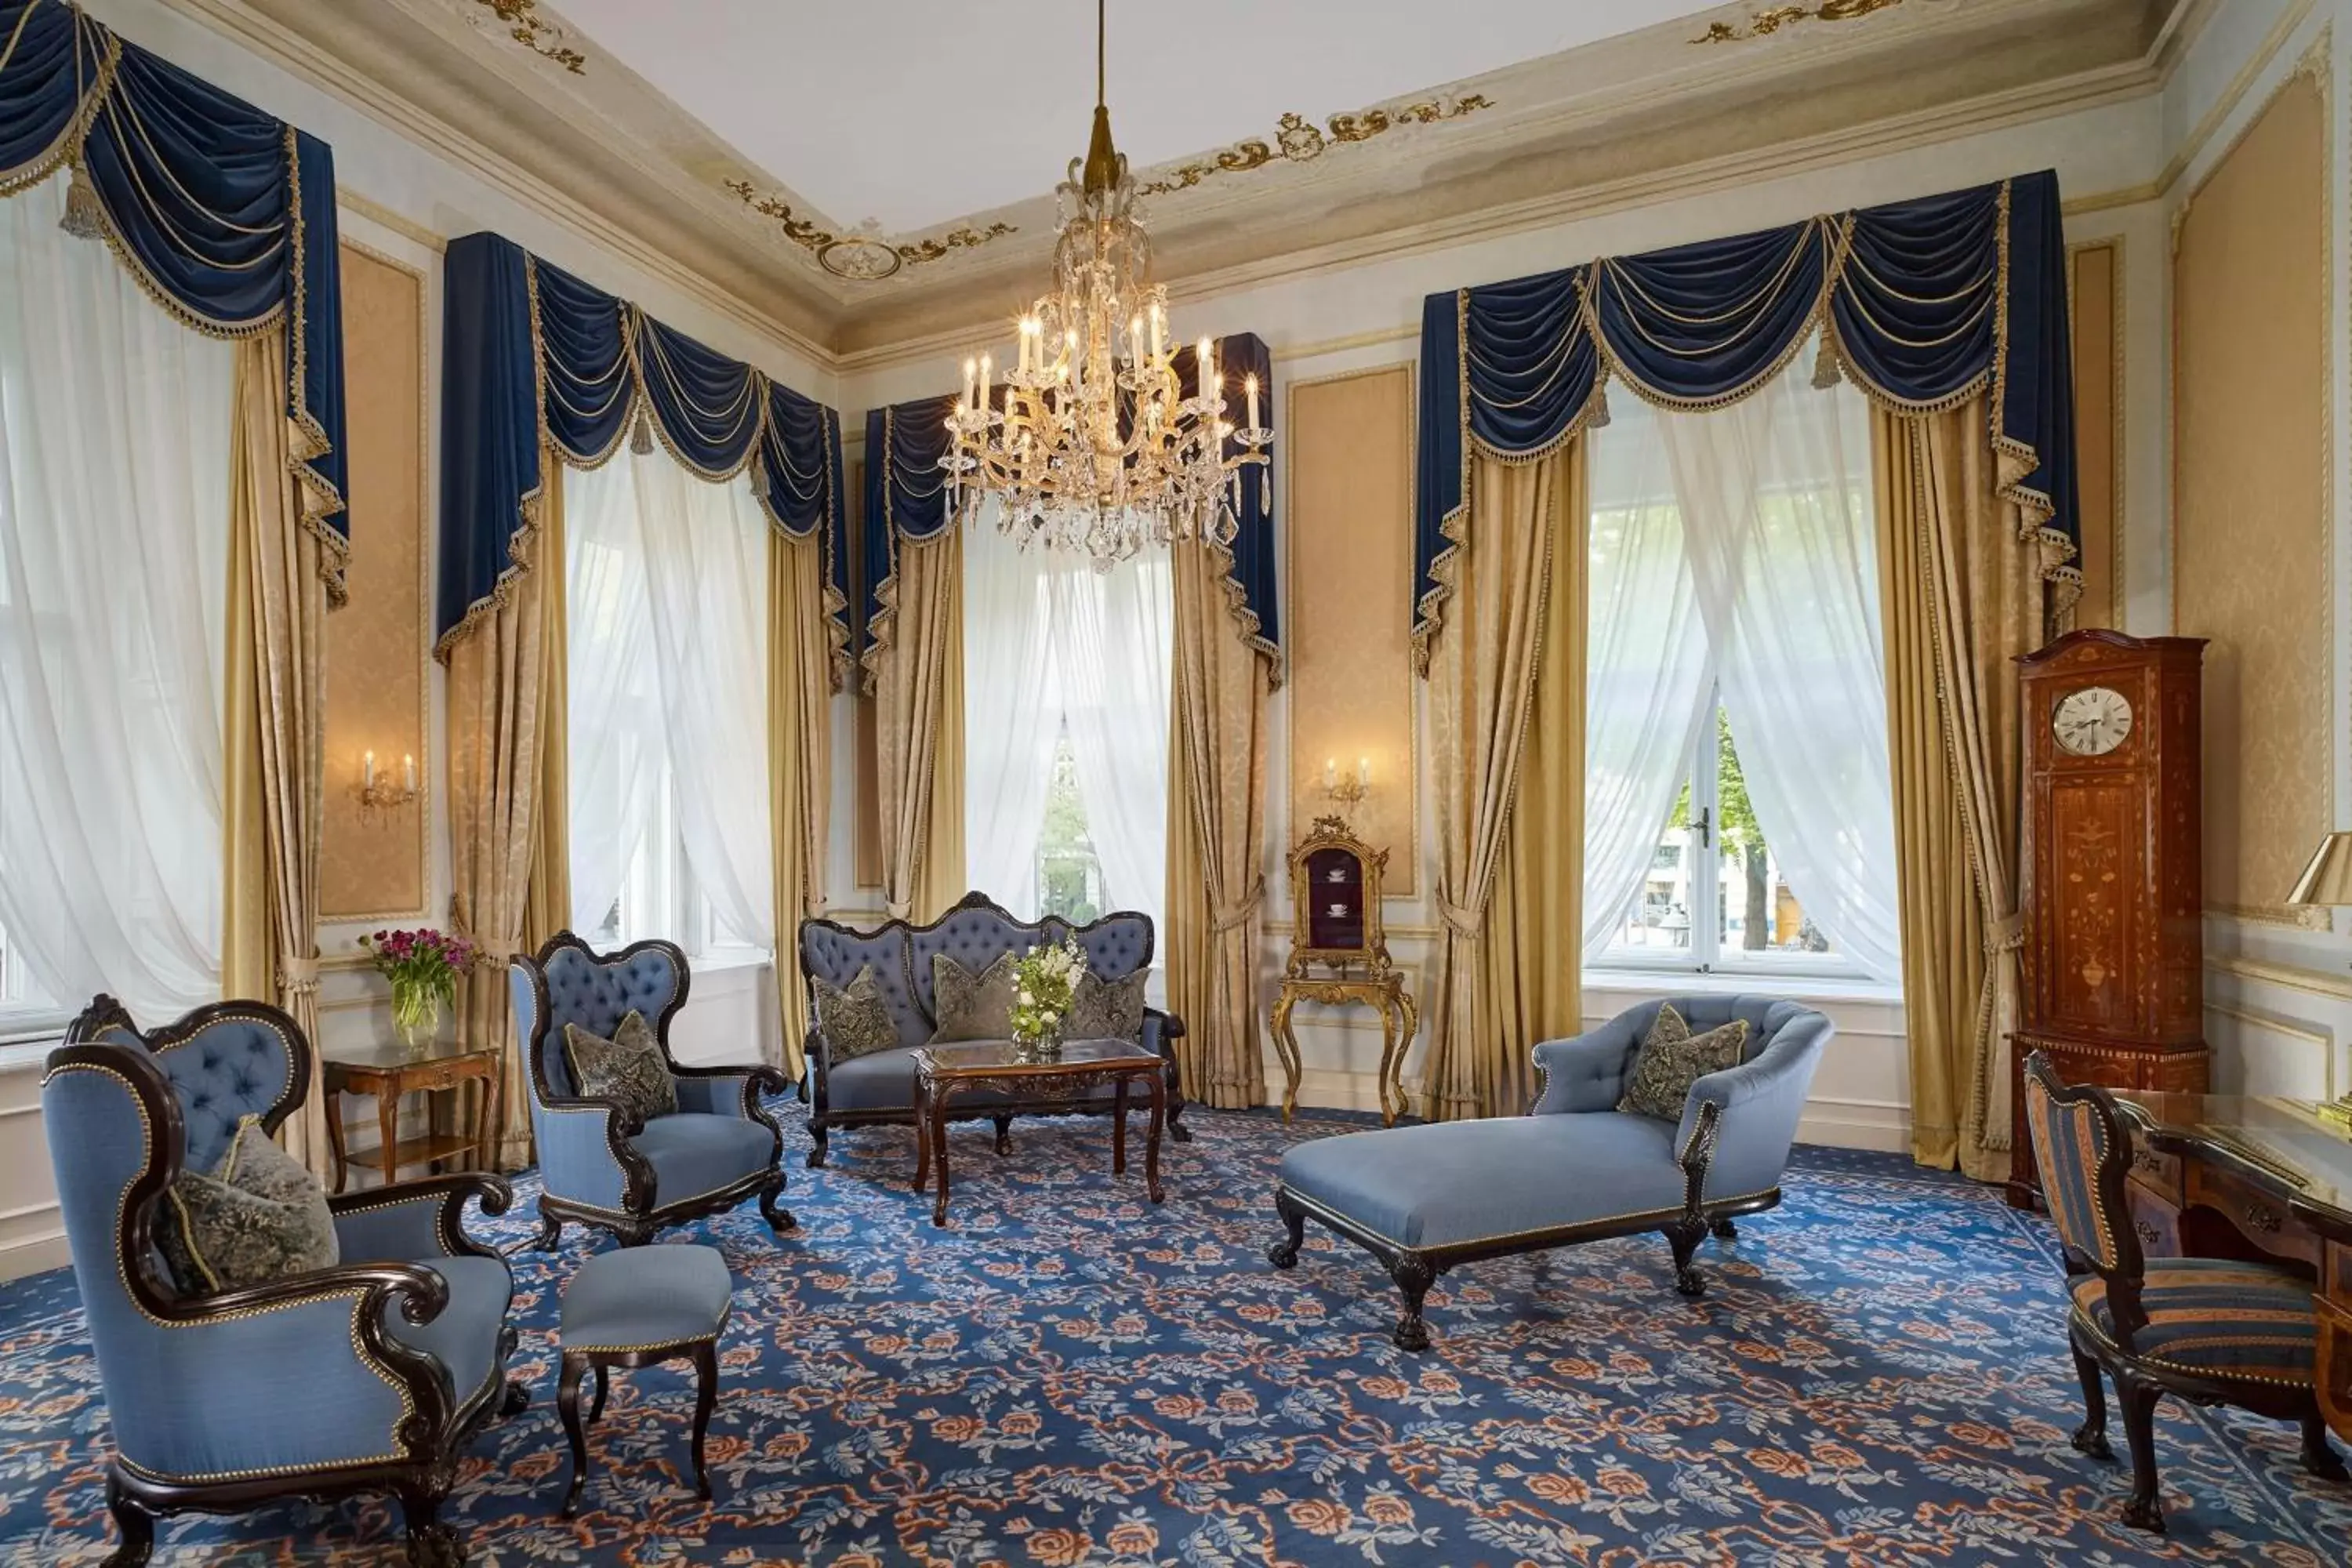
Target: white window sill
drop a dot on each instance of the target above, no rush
(1787, 987)
(728, 958)
(20, 1055)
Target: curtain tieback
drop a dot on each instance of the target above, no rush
(2005, 936)
(296, 976)
(1240, 912)
(1463, 921)
(487, 954)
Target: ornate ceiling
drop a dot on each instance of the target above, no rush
(831, 176)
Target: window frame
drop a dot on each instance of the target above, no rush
(1703, 859)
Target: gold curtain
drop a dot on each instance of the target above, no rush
(1963, 578)
(1483, 676)
(915, 668)
(276, 721)
(497, 666)
(1531, 983)
(1216, 834)
(800, 751)
(547, 900)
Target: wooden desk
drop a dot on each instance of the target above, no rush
(388, 1071)
(2217, 1175)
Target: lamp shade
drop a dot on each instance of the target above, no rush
(2329, 879)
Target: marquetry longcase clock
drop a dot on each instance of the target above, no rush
(2113, 890)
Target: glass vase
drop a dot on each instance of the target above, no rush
(1040, 1046)
(416, 1016)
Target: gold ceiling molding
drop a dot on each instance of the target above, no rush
(1767, 22)
(859, 256)
(534, 32)
(1298, 141)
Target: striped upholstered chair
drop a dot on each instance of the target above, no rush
(2210, 1331)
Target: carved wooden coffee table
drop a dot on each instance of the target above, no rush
(941, 1072)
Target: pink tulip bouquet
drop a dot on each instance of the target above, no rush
(423, 966)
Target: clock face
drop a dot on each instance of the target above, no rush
(2093, 721)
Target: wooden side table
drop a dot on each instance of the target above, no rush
(388, 1071)
(1400, 1019)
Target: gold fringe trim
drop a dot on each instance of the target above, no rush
(522, 544)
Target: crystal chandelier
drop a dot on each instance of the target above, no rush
(1090, 444)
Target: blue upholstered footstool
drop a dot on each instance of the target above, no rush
(635, 1308)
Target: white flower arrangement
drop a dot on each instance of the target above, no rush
(1045, 980)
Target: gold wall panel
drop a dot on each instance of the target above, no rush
(371, 862)
(2095, 287)
(866, 770)
(1348, 591)
(2251, 566)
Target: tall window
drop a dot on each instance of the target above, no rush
(115, 427)
(666, 635)
(1740, 801)
(1065, 728)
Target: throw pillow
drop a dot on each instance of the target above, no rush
(856, 1019)
(972, 1006)
(1107, 1009)
(257, 1216)
(628, 1069)
(1671, 1058)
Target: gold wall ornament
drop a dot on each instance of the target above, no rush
(534, 32)
(1298, 140)
(862, 256)
(1779, 16)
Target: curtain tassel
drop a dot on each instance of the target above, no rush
(1598, 418)
(641, 436)
(84, 217)
(1826, 373)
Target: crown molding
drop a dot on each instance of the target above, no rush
(841, 355)
(2209, 125)
(300, 58)
(2115, 84)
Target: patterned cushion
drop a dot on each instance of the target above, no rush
(856, 1019)
(974, 1007)
(1107, 1009)
(2213, 1317)
(628, 1069)
(260, 1215)
(1671, 1058)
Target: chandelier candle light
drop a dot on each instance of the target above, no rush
(1091, 445)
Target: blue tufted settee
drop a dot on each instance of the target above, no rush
(1424, 1199)
(371, 1376)
(600, 1167)
(881, 1086)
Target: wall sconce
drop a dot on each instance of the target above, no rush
(380, 793)
(1346, 792)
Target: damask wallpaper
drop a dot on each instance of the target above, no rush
(2250, 545)
(1348, 595)
(372, 860)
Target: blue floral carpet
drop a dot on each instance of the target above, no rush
(1068, 1376)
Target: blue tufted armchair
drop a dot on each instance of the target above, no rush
(598, 1166)
(371, 1376)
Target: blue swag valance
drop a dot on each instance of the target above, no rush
(224, 215)
(1922, 304)
(532, 353)
(906, 497)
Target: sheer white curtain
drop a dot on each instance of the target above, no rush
(1113, 635)
(697, 555)
(114, 530)
(1776, 498)
(618, 745)
(1650, 676)
(1012, 712)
